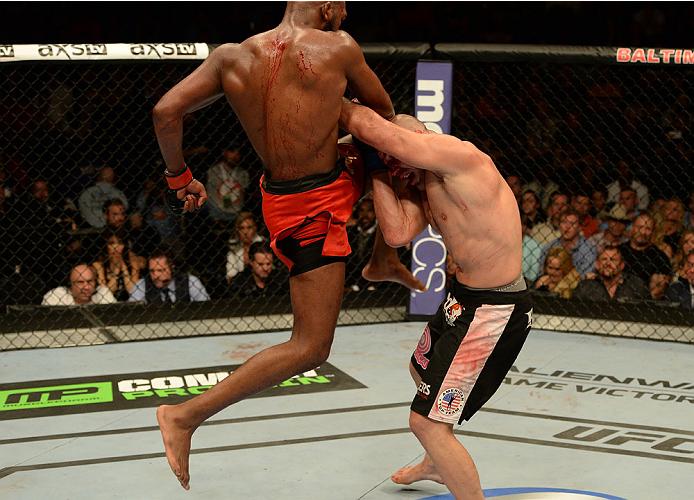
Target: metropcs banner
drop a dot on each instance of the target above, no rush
(433, 98)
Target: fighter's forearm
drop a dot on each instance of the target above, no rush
(168, 126)
(358, 120)
(197, 90)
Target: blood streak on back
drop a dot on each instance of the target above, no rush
(304, 65)
(277, 135)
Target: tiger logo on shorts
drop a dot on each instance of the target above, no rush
(452, 309)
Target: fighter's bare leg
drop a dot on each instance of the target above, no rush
(316, 300)
(425, 470)
(449, 456)
(385, 265)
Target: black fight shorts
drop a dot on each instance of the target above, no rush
(467, 349)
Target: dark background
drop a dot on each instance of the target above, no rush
(654, 24)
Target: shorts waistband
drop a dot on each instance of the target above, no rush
(304, 184)
(517, 285)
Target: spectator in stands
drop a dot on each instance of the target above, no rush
(560, 276)
(642, 259)
(49, 210)
(581, 203)
(685, 247)
(530, 206)
(583, 253)
(656, 205)
(683, 290)
(599, 200)
(91, 201)
(669, 223)
(615, 234)
(625, 178)
(14, 245)
(245, 234)
(259, 277)
(118, 268)
(159, 222)
(532, 253)
(23, 277)
(361, 237)
(9, 207)
(611, 282)
(658, 286)
(689, 215)
(627, 199)
(543, 186)
(164, 284)
(46, 223)
(226, 185)
(83, 290)
(516, 185)
(139, 238)
(115, 214)
(548, 231)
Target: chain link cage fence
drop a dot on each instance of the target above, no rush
(81, 197)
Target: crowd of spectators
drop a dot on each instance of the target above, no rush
(619, 251)
(88, 256)
(597, 156)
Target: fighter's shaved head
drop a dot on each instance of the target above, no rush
(409, 122)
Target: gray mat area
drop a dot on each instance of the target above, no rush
(580, 416)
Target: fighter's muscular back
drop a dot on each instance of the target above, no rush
(285, 86)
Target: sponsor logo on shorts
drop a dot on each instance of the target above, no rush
(6, 51)
(422, 348)
(450, 401)
(529, 314)
(452, 309)
(424, 390)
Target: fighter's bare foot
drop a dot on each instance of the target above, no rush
(412, 473)
(176, 442)
(392, 271)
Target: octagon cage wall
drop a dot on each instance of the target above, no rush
(573, 130)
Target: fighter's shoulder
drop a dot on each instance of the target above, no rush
(471, 151)
(228, 52)
(345, 42)
(459, 153)
(337, 43)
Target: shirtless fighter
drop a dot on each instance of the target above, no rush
(286, 87)
(475, 336)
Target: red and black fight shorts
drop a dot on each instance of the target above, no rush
(307, 217)
(467, 349)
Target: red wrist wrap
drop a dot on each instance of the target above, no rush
(180, 179)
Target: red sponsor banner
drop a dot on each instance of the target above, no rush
(655, 56)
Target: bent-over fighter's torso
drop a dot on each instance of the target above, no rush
(286, 87)
(477, 216)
